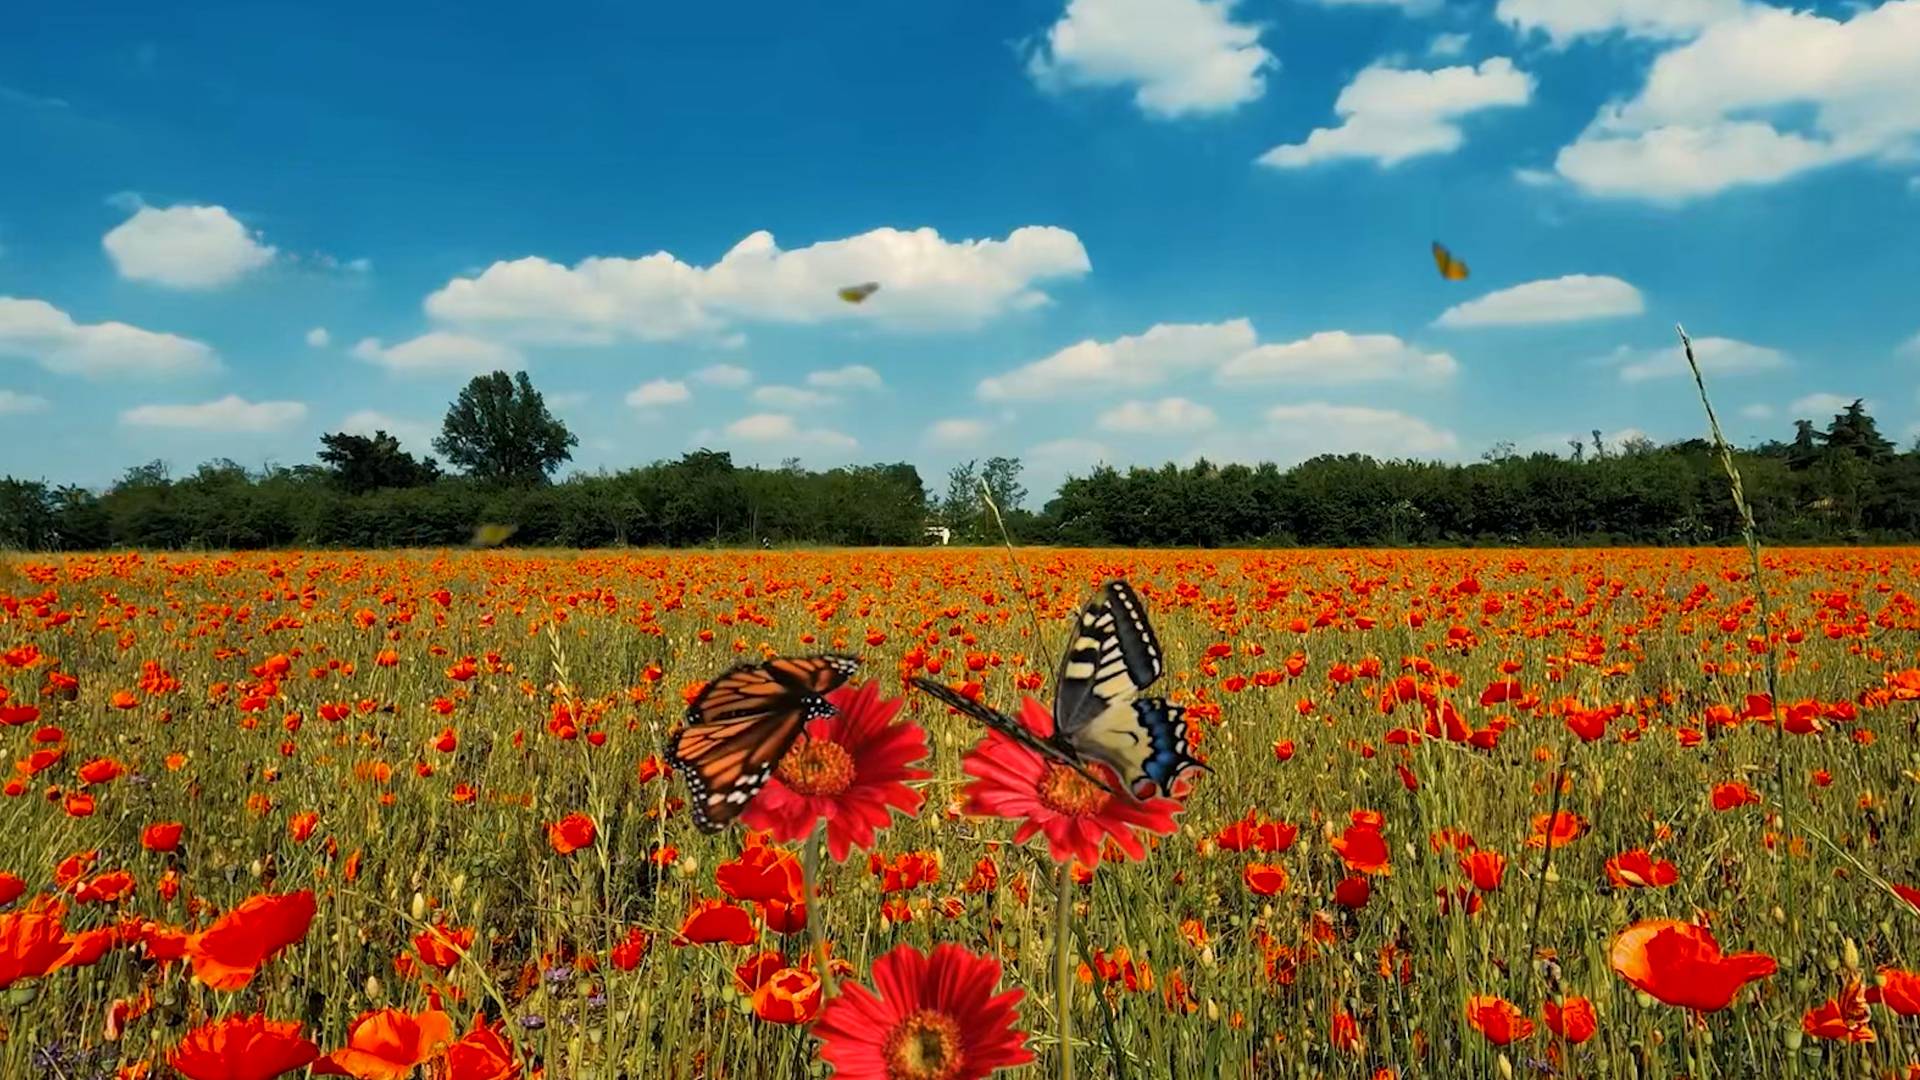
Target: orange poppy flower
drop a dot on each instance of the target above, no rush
(388, 1044)
(161, 836)
(483, 1053)
(1681, 964)
(571, 833)
(1638, 870)
(1844, 1018)
(1498, 1019)
(1485, 869)
(33, 942)
(1363, 849)
(1265, 879)
(1733, 794)
(1567, 827)
(1572, 1019)
(227, 954)
(712, 921)
(242, 1048)
(1898, 990)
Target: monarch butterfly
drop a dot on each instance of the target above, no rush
(853, 294)
(1097, 717)
(743, 722)
(487, 535)
(1450, 268)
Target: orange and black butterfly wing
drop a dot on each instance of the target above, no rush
(1450, 267)
(742, 724)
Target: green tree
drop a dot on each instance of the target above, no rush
(499, 431)
(1001, 475)
(1854, 432)
(960, 509)
(359, 463)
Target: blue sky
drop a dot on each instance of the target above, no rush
(1121, 230)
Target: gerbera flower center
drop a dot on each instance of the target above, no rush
(926, 1046)
(1065, 791)
(816, 767)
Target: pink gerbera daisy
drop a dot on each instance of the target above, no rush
(850, 768)
(935, 1017)
(1076, 814)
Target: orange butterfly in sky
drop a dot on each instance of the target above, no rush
(1450, 268)
(854, 294)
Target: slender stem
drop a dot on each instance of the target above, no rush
(1546, 858)
(816, 929)
(1063, 967)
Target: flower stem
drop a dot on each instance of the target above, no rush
(810, 869)
(1063, 968)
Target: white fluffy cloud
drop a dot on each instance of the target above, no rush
(318, 337)
(789, 398)
(926, 282)
(230, 414)
(40, 332)
(1335, 357)
(1060, 457)
(1128, 362)
(1411, 7)
(13, 403)
(1716, 356)
(1389, 115)
(416, 436)
(1447, 46)
(1710, 115)
(851, 377)
(1564, 20)
(781, 429)
(1759, 410)
(185, 247)
(1182, 57)
(1164, 417)
(1554, 300)
(1320, 428)
(1822, 406)
(438, 352)
(956, 432)
(726, 376)
(659, 392)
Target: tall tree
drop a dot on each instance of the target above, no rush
(1001, 475)
(1854, 432)
(1804, 450)
(499, 430)
(358, 463)
(961, 507)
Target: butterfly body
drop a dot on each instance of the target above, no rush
(1098, 715)
(743, 722)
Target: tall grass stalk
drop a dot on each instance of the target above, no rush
(816, 928)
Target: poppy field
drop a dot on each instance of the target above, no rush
(1465, 813)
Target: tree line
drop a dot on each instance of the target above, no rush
(1846, 483)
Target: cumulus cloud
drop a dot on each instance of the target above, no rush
(40, 332)
(851, 377)
(185, 247)
(1821, 406)
(1447, 46)
(659, 392)
(1059, 457)
(956, 432)
(1320, 428)
(318, 338)
(230, 414)
(1562, 21)
(1389, 115)
(1759, 410)
(1714, 112)
(1716, 356)
(926, 282)
(416, 436)
(438, 352)
(790, 398)
(1164, 417)
(1555, 300)
(1181, 57)
(1334, 357)
(725, 376)
(14, 403)
(1127, 362)
(781, 429)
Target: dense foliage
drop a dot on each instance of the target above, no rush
(1844, 484)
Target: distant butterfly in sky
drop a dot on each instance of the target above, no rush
(743, 723)
(1097, 714)
(854, 294)
(489, 535)
(1450, 268)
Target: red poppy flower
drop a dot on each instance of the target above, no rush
(1733, 794)
(713, 921)
(1567, 827)
(1353, 892)
(483, 1053)
(1844, 1018)
(935, 1015)
(388, 1044)
(107, 888)
(161, 836)
(1265, 879)
(1637, 870)
(788, 996)
(440, 946)
(1363, 849)
(11, 888)
(632, 949)
(1572, 1019)
(571, 833)
(33, 942)
(242, 1048)
(1898, 990)
(850, 768)
(761, 872)
(1485, 869)
(1498, 1019)
(227, 954)
(1681, 964)
(1076, 814)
